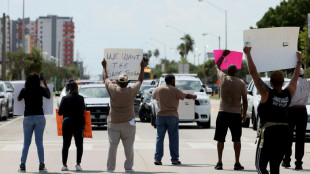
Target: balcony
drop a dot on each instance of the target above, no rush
(68, 55)
(68, 30)
(68, 60)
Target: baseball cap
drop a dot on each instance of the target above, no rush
(123, 78)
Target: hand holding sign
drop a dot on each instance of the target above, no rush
(120, 61)
(231, 57)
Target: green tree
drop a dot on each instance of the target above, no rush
(188, 47)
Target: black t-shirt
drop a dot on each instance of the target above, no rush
(33, 100)
(275, 109)
(72, 106)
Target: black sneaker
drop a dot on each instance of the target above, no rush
(22, 168)
(158, 163)
(219, 166)
(42, 168)
(299, 167)
(176, 163)
(285, 164)
(238, 167)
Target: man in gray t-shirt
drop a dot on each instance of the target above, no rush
(229, 116)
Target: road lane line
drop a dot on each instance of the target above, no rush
(11, 121)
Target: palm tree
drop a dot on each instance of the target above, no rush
(156, 53)
(188, 47)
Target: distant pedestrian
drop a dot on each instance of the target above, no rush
(72, 108)
(232, 89)
(297, 120)
(167, 119)
(273, 114)
(121, 122)
(34, 120)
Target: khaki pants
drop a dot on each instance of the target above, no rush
(126, 133)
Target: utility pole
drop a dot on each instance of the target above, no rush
(3, 70)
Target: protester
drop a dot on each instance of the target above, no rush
(121, 122)
(167, 119)
(273, 113)
(72, 108)
(297, 120)
(34, 120)
(229, 115)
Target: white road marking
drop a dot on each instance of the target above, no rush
(202, 145)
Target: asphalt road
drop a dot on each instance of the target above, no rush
(197, 150)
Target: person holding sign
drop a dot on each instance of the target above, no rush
(297, 120)
(34, 120)
(121, 122)
(72, 108)
(273, 113)
(229, 115)
(167, 118)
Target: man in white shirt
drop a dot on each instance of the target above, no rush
(298, 121)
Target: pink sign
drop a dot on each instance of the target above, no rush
(233, 57)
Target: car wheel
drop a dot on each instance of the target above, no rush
(142, 116)
(254, 120)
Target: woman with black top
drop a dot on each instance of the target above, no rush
(34, 120)
(72, 108)
(273, 114)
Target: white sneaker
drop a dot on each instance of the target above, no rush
(78, 168)
(64, 168)
(129, 171)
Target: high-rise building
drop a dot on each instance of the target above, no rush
(55, 35)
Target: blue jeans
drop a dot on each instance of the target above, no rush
(170, 123)
(36, 124)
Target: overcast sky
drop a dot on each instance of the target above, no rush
(101, 24)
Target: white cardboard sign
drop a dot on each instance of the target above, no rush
(123, 61)
(272, 48)
(19, 106)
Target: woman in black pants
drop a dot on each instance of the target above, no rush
(72, 108)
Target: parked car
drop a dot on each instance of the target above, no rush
(9, 90)
(137, 100)
(4, 112)
(308, 123)
(97, 101)
(208, 89)
(145, 109)
(254, 98)
(201, 113)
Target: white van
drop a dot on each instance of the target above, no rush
(198, 111)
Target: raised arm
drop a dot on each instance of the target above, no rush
(220, 61)
(104, 72)
(260, 85)
(141, 76)
(191, 96)
(48, 92)
(292, 85)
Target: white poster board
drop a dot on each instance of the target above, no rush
(186, 109)
(19, 106)
(123, 61)
(272, 48)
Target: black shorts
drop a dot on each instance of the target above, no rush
(227, 120)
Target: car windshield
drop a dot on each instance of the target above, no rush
(146, 93)
(94, 92)
(193, 85)
(9, 86)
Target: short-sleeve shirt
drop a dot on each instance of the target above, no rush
(168, 98)
(302, 92)
(33, 100)
(72, 106)
(122, 101)
(232, 89)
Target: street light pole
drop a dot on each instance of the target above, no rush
(184, 38)
(225, 18)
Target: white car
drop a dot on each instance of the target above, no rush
(201, 113)
(254, 98)
(308, 123)
(97, 101)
